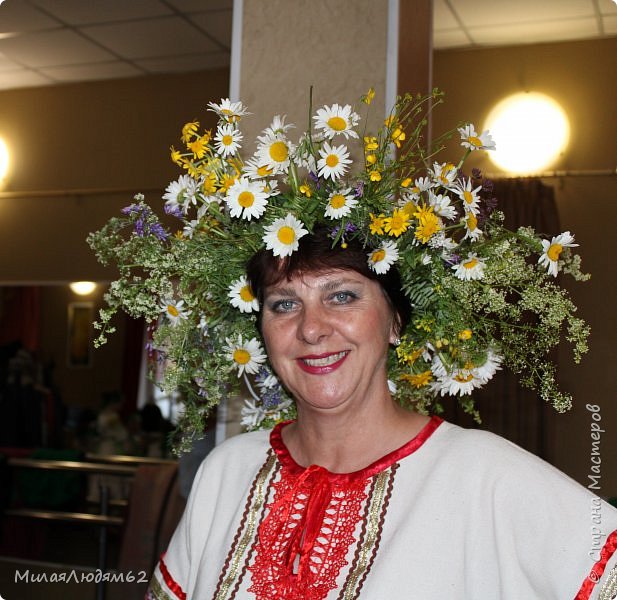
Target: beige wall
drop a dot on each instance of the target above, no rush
(580, 76)
(103, 135)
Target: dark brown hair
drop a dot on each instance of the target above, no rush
(316, 255)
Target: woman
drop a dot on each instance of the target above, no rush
(360, 498)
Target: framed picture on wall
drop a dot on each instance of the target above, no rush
(79, 346)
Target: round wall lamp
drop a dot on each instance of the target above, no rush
(4, 159)
(82, 288)
(530, 131)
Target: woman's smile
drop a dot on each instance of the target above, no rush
(323, 363)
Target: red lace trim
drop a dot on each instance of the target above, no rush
(285, 458)
(303, 542)
(598, 569)
(169, 580)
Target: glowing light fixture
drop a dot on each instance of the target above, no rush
(82, 288)
(4, 159)
(530, 131)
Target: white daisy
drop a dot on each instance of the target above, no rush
(270, 187)
(245, 356)
(254, 170)
(381, 259)
(470, 139)
(472, 231)
(274, 152)
(441, 205)
(469, 196)
(241, 296)
(333, 162)
(174, 310)
(487, 370)
(470, 268)
(340, 203)
(189, 229)
(278, 126)
(444, 174)
(336, 119)
(553, 249)
(421, 184)
(180, 194)
(282, 236)
(460, 382)
(246, 199)
(227, 140)
(252, 414)
(230, 111)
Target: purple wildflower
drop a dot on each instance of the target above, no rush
(156, 229)
(359, 189)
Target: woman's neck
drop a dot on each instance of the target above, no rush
(347, 442)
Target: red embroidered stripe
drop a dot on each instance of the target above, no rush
(169, 581)
(598, 569)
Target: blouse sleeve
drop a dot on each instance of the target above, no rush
(170, 580)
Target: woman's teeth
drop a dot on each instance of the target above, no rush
(324, 362)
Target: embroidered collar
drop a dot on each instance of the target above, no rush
(381, 464)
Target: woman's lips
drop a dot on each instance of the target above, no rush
(323, 363)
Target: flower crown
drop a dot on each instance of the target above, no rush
(482, 296)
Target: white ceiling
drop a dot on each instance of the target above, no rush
(46, 42)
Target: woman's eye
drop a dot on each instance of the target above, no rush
(282, 305)
(344, 297)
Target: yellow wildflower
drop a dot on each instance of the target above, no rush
(176, 155)
(418, 380)
(465, 334)
(428, 224)
(370, 143)
(375, 175)
(368, 98)
(409, 208)
(377, 223)
(398, 136)
(397, 224)
(406, 182)
(198, 147)
(306, 190)
(226, 182)
(410, 357)
(209, 184)
(189, 130)
(371, 159)
(389, 122)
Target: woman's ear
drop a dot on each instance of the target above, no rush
(395, 339)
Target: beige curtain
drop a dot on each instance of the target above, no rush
(508, 409)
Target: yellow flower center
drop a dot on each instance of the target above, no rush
(246, 199)
(474, 140)
(472, 222)
(470, 264)
(378, 255)
(242, 356)
(554, 251)
(172, 310)
(263, 171)
(468, 196)
(286, 235)
(332, 160)
(337, 123)
(279, 151)
(246, 294)
(227, 140)
(463, 378)
(337, 201)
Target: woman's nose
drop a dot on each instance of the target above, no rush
(315, 324)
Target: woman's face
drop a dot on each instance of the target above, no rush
(327, 337)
